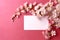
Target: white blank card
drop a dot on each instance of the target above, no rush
(33, 23)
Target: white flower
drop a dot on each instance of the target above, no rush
(49, 8)
(27, 9)
(17, 9)
(18, 13)
(25, 4)
(50, 4)
(43, 11)
(53, 33)
(21, 7)
(36, 7)
(23, 11)
(38, 11)
(32, 12)
(58, 8)
(54, 14)
(49, 28)
(57, 22)
(30, 5)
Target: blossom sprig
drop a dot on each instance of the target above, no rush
(27, 7)
(51, 9)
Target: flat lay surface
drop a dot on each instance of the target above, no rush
(15, 30)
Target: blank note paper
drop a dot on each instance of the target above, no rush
(33, 23)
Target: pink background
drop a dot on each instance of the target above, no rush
(15, 31)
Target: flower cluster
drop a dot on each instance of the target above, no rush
(51, 9)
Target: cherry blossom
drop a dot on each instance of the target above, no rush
(53, 33)
(51, 9)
